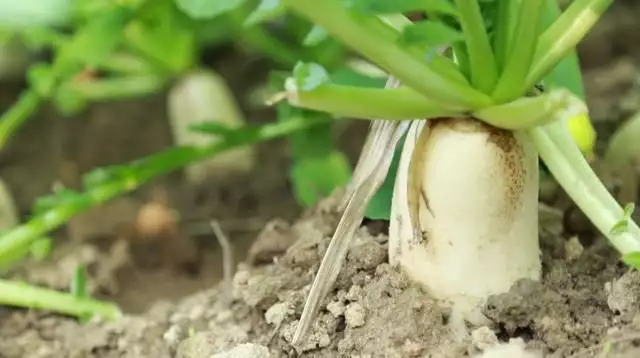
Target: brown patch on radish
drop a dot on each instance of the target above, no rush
(511, 162)
(509, 159)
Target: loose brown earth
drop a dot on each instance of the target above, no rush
(587, 305)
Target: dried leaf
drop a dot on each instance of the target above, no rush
(373, 168)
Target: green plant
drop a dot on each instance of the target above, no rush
(105, 50)
(104, 184)
(464, 211)
(76, 303)
(138, 47)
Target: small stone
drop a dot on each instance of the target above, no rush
(196, 313)
(241, 278)
(274, 240)
(178, 318)
(354, 294)
(411, 348)
(315, 340)
(323, 340)
(623, 294)
(516, 348)
(635, 322)
(223, 316)
(573, 249)
(483, 338)
(246, 350)
(199, 345)
(336, 308)
(354, 315)
(161, 310)
(277, 313)
(173, 335)
(43, 352)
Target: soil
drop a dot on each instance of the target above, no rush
(180, 305)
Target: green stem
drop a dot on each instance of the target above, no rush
(484, 72)
(567, 73)
(364, 35)
(23, 295)
(529, 112)
(144, 170)
(440, 64)
(367, 103)
(520, 56)
(125, 63)
(563, 36)
(257, 38)
(153, 61)
(504, 25)
(567, 164)
(462, 58)
(12, 119)
(117, 88)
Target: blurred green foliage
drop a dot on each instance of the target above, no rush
(139, 46)
(105, 50)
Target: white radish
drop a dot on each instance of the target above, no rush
(474, 189)
(199, 97)
(9, 216)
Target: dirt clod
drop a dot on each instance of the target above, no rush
(623, 294)
(355, 315)
(199, 345)
(483, 338)
(246, 350)
(566, 310)
(514, 349)
(277, 313)
(271, 243)
(573, 248)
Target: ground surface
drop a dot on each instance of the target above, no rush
(587, 303)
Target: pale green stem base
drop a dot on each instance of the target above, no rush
(571, 170)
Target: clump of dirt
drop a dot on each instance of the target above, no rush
(265, 303)
(567, 310)
(372, 311)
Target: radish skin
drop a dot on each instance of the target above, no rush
(9, 216)
(478, 199)
(199, 97)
